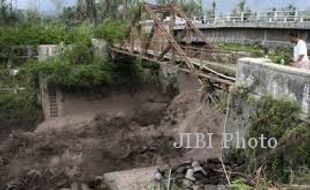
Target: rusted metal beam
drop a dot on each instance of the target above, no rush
(216, 79)
(148, 41)
(170, 39)
(143, 45)
(193, 27)
(159, 8)
(133, 23)
(163, 53)
(152, 59)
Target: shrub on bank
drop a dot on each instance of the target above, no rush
(112, 30)
(65, 74)
(34, 34)
(19, 111)
(279, 119)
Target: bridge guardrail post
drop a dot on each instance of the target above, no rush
(242, 16)
(275, 15)
(257, 16)
(296, 16)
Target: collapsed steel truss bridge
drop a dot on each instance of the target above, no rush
(152, 37)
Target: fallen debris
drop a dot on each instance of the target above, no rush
(198, 174)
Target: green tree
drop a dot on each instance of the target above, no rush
(69, 15)
(189, 7)
(7, 14)
(86, 9)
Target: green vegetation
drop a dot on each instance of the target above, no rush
(34, 34)
(112, 30)
(77, 67)
(239, 185)
(240, 47)
(279, 119)
(19, 110)
(280, 56)
(274, 117)
(65, 74)
(17, 104)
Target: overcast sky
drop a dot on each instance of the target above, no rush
(222, 5)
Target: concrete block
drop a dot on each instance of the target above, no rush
(47, 50)
(100, 47)
(141, 178)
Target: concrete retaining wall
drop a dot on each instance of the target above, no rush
(45, 51)
(263, 78)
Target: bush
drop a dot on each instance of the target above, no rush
(19, 111)
(274, 117)
(68, 75)
(34, 34)
(280, 119)
(280, 56)
(112, 30)
(239, 185)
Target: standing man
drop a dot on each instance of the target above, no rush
(301, 59)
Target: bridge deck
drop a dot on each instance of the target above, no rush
(204, 66)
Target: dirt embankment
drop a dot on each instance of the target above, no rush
(71, 152)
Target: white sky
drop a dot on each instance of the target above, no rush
(222, 5)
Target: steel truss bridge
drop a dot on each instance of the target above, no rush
(152, 38)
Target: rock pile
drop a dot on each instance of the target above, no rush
(198, 174)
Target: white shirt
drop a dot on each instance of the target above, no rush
(301, 49)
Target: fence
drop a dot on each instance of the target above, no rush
(267, 17)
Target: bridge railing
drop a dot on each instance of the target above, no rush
(267, 17)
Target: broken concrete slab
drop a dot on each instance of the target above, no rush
(141, 178)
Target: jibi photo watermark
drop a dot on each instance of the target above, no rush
(206, 140)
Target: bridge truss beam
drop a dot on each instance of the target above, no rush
(152, 37)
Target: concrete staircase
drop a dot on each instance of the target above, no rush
(52, 98)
